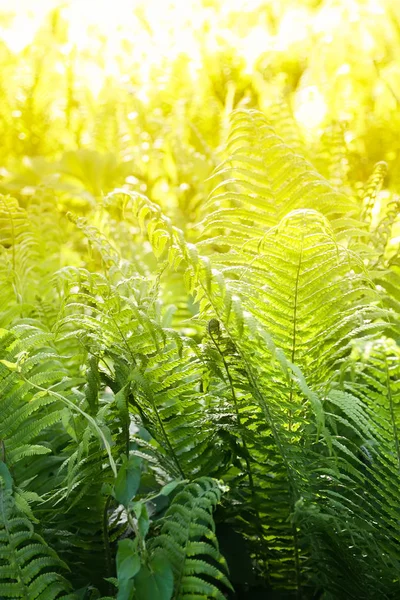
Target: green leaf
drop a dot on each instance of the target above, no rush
(6, 476)
(156, 581)
(167, 489)
(142, 518)
(128, 560)
(125, 590)
(128, 480)
(9, 365)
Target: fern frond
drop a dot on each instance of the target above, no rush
(371, 190)
(29, 568)
(187, 539)
(18, 250)
(262, 182)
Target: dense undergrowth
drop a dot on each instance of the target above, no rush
(199, 319)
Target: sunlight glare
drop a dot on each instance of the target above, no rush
(310, 107)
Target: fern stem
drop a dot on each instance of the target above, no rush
(392, 415)
(246, 452)
(106, 539)
(3, 457)
(299, 594)
(166, 438)
(292, 483)
(125, 426)
(14, 256)
(294, 331)
(121, 333)
(141, 541)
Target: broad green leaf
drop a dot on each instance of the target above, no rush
(142, 517)
(128, 480)
(156, 581)
(128, 560)
(126, 589)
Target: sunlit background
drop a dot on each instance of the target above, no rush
(123, 77)
(341, 39)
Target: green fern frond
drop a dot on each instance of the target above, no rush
(171, 407)
(372, 188)
(18, 250)
(187, 539)
(332, 159)
(29, 568)
(263, 181)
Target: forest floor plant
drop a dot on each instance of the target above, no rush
(199, 335)
(257, 449)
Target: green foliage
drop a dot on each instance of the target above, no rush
(29, 567)
(187, 540)
(199, 317)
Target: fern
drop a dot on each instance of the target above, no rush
(199, 313)
(29, 568)
(187, 539)
(231, 297)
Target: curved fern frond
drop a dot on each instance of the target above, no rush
(187, 539)
(29, 568)
(371, 190)
(18, 250)
(279, 288)
(261, 181)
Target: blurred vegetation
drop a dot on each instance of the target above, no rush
(316, 69)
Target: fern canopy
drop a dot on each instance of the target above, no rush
(199, 307)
